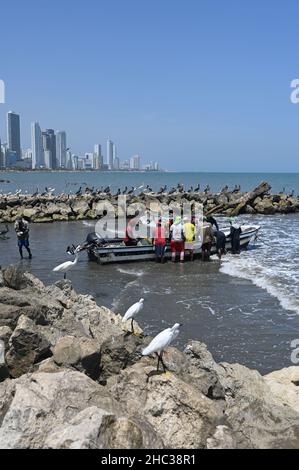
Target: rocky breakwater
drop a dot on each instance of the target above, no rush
(48, 207)
(72, 376)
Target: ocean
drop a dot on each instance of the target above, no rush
(245, 307)
(69, 182)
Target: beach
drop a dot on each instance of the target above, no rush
(245, 308)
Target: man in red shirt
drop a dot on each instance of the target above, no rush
(160, 242)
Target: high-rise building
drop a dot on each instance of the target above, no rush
(13, 134)
(89, 161)
(1, 156)
(69, 160)
(37, 146)
(110, 154)
(116, 163)
(115, 158)
(49, 145)
(98, 157)
(135, 162)
(61, 149)
(48, 158)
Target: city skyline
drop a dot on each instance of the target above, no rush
(169, 81)
(49, 151)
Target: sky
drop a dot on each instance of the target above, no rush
(197, 85)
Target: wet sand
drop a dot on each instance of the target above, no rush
(239, 321)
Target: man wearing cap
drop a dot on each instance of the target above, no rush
(177, 239)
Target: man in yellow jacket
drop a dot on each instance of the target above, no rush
(189, 234)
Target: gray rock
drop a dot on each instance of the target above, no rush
(65, 410)
(27, 345)
(118, 352)
(80, 353)
(5, 334)
(14, 278)
(180, 414)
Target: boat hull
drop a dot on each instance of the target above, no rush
(127, 254)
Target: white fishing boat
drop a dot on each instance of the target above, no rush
(117, 251)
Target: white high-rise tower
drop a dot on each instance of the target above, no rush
(110, 154)
(61, 148)
(37, 146)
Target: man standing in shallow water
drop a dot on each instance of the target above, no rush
(22, 231)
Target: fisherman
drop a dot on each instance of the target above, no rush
(22, 231)
(207, 239)
(189, 234)
(235, 232)
(220, 237)
(220, 243)
(213, 221)
(160, 242)
(177, 239)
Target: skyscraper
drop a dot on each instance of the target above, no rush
(98, 157)
(36, 146)
(13, 133)
(49, 144)
(110, 154)
(61, 149)
(116, 163)
(135, 162)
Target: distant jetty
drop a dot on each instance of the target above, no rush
(48, 207)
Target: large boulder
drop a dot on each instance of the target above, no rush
(284, 384)
(181, 415)
(258, 419)
(66, 410)
(80, 353)
(118, 352)
(265, 206)
(27, 345)
(14, 278)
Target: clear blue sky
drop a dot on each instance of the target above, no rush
(194, 84)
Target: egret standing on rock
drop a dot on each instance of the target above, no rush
(132, 312)
(160, 342)
(65, 267)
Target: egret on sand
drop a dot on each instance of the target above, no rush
(65, 267)
(132, 312)
(160, 342)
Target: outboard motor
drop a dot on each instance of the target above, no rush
(92, 238)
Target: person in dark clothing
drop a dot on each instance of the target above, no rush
(235, 232)
(22, 231)
(213, 222)
(220, 243)
(159, 242)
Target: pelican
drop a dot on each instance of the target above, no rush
(160, 342)
(132, 312)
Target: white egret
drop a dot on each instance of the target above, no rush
(132, 312)
(65, 267)
(160, 342)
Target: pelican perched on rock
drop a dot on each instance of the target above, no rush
(132, 312)
(68, 265)
(160, 342)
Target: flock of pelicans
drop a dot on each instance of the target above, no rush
(128, 191)
(159, 343)
(143, 189)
